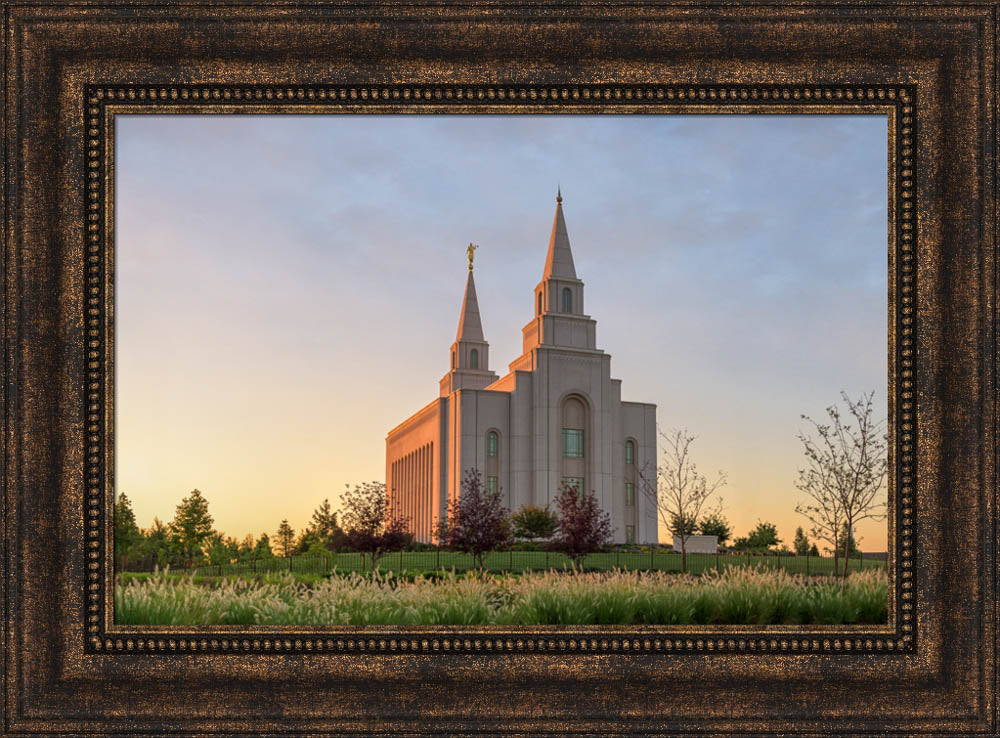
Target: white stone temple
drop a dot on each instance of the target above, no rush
(556, 417)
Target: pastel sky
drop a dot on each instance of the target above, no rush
(288, 288)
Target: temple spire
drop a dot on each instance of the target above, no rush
(470, 326)
(559, 261)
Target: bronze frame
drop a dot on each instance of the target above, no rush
(70, 68)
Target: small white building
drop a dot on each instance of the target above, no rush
(697, 544)
(555, 418)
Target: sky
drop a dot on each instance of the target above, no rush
(288, 288)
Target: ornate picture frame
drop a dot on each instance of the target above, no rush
(69, 69)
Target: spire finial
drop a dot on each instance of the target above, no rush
(471, 252)
(559, 193)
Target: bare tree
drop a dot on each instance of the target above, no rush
(845, 473)
(677, 488)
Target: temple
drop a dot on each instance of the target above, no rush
(556, 417)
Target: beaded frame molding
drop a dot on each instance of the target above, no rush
(70, 66)
(105, 102)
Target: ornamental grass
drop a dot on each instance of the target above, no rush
(732, 596)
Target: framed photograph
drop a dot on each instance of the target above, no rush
(364, 364)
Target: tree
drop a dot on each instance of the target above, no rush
(678, 490)
(846, 543)
(715, 524)
(583, 526)
(222, 549)
(477, 522)
(846, 469)
(813, 550)
(763, 536)
(683, 525)
(127, 535)
(531, 522)
(370, 528)
(325, 527)
(284, 537)
(801, 542)
(263, 548)
(192, 526)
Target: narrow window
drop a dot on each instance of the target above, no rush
(629, 534)
(491, 485)
(567, 300)
(629, 452)
(474, 359)
(452, 359)
(539, 303)
(572, 443)
(575, 482)
(629, 493)
(492, 443)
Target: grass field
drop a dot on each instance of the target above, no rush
(521, 561)
(736, 595)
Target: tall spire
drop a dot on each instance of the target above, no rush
(470, 326)
(559, 261)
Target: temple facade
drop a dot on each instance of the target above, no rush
(556, 417)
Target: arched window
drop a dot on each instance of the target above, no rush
(629, 452)
(567, 304)
(539, 303)
(492, 443)
(474, 359)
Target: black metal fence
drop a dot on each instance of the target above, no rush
(513, 561)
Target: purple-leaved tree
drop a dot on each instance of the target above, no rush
(583, 526)
(477, 522)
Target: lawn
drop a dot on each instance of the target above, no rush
(735, 595)
(521, 561)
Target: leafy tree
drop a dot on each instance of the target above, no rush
(764, 536)
(760, 538)
(222, 549)
(368, 524)
(127, 535)
(531, 522)
(325, 527)
(845, 473)
(715, 524)
(583, 526)
(801, 542)
(477, 522)
(676, 487)
(192, 526)
(158, 544)
(847, 543)
(263, 548)
(684, 525)
(246, 547)
(813, 550)
(284, 538)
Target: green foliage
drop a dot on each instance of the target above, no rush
(263, 548)
(683, 525)
(192, 526)
(284, 538)
(531, 522)
(127, 535)
(715, 524)
(761, 538)
(801, 542)
(842, 538)
(734, 596)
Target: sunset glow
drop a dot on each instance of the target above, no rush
(287, 288)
